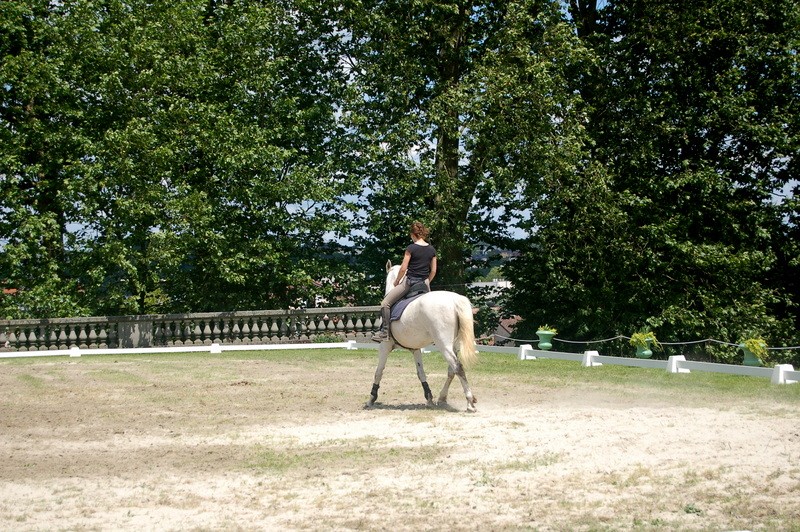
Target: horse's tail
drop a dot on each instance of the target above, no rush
(465, 339)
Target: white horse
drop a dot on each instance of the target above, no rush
(442, 318)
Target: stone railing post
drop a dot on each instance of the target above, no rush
(135, 331)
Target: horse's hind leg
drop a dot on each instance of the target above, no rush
(446, 387)
(422, 378)
(471, 400)
(455, 368)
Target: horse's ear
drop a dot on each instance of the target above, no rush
(388, 265)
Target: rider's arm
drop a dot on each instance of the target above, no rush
(433, 270)
(403, 267)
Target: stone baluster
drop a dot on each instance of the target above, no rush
(236, 332)
(102, 336)
(83, 338)
(166, 332)
(36, 338)
(158, 332)
(113, 335)
(182, 333)
(72, 338)
(247, 336)
(63, 339)
(260, 328)
(225, 335)
(197, 333)
(13, 340)
(23, 340)
(206, 336)
(52, 338)
(358, 328)
(33, 338)
(93, 338)
(286, 328)
(216, 332)
(350, 328)
(369, 325)
(44, 337)
(169, 332)
(274, 331)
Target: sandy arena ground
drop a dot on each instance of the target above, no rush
(284, 443)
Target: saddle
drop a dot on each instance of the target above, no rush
(416, 290)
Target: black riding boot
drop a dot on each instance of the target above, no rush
(382, 335)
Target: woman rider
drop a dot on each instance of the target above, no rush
(419, 264)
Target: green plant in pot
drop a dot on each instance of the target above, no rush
(546, 334)
(643, 341)
(755, 351)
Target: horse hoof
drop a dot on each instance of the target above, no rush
(471, 400)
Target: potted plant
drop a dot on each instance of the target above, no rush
(755, 351)
(545, 334)
(643, 341)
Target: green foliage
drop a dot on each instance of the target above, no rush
(644, 339)
(450, 103)
(163, 158)
(758, 347)
(677, 216)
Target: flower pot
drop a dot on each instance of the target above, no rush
(544, 339)
(749, 358)
(644, 351)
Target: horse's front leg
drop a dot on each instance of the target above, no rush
(383, 354)
(422, 378)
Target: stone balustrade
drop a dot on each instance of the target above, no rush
(157, 330)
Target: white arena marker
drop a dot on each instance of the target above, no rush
(779, 374)
(525, 351)
(588, 359)
(74, 351)
(673, 363)
(216, 349)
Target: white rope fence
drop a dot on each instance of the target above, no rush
(623, 337)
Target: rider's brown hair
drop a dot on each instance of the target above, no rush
(420, 230)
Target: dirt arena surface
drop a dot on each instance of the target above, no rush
(282, 441)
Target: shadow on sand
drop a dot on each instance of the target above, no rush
(446, 407)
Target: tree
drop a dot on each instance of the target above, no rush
(186, 155)
(693, 117)
(454, 106)
(42, 145)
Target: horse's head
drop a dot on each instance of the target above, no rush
(391, 275)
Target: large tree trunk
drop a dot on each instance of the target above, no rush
(451, 212)
(452, 199)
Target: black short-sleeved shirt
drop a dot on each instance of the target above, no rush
(419, 267)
